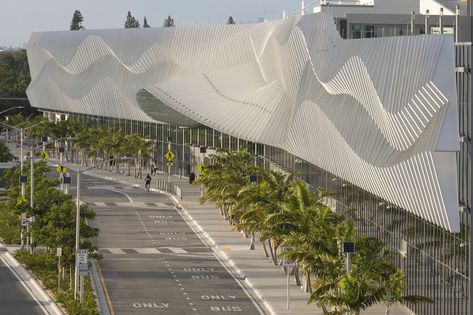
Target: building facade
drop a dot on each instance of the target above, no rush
(374, 120)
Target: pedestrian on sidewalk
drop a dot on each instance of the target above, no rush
(153, 170)
(147, 182)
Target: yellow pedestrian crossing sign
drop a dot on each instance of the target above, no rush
(202, 168)
(169, 155)
(44, 155)
(61, 169)
(21, 201)
(170, 163)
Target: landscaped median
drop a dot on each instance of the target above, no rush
(44, 267)
(53, 227)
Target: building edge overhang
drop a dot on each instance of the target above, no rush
(158, 110)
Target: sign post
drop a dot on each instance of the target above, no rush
(169, 157)
(82, 266)
(203, 151)
(348, 248)
(66, 181)
(287, 264)
(58, 255)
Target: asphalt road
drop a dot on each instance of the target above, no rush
(14, 299)
(153, 262)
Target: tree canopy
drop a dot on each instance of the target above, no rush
(131, 22)
(14, 78)
(169, 22)
(145, 23)
(77, 19)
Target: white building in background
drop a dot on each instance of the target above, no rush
(372, 115)
(379, 112)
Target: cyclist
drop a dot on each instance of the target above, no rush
(147, 182)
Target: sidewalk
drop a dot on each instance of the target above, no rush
(266, 281)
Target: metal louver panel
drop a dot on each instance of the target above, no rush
(380, 113)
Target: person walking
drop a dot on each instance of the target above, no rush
(147, 182)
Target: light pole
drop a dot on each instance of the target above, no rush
(6, 110)
(29, 239)
(11, 108)
(22, 131)
(76, 265)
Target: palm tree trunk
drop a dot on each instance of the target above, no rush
(140, 167)
(296, 275)
(271, 251)
(117, 166)
(307, 283)
(265, 249)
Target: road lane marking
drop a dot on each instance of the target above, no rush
(147, 251)
(178, 250)
(116, 251)
(121, 192)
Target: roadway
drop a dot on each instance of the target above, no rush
(152, 260)
(14, 297)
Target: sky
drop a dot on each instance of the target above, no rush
(19, 18)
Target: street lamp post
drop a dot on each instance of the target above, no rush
(29, 239)
(11, 108)
(76, 274)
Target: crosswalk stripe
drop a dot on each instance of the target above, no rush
(153, 250)
(177, 250)
(147, 250)
(116, 251)
(138, 204)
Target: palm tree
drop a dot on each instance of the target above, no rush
(367, 282)
(314, 231)
(227, 173)
(142, 150)
(261, 200)
(395, 287)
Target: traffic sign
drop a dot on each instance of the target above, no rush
(202, 168)
(58, 251)
(21, 201)
(24, 219)
(23, 179)
(170, 163)
(83, 270)
(44, 155)
(61, 169)
(169, 155)
(81, 256)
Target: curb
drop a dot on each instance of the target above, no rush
(32, 286)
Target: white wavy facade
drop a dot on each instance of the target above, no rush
(379, 113)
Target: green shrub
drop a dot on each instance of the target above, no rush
(44, 267)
